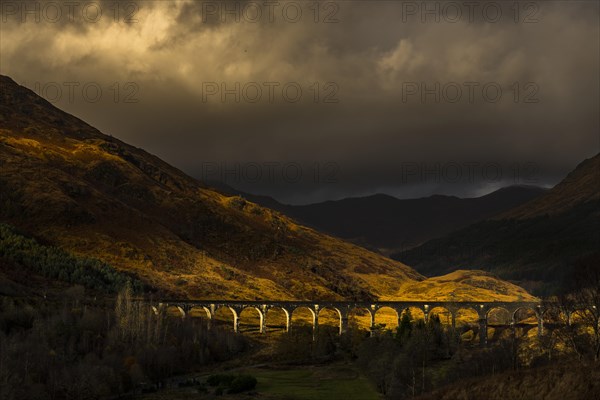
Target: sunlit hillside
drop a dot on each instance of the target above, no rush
(66, 184)
(463, 284)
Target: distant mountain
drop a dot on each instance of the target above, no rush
(72, 196)
(534, 244)
(388, 225)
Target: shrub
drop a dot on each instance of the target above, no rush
(242, 383)
(237, 202)
(235, 384)
(220, 380)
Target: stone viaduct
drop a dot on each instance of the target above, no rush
(343, 308)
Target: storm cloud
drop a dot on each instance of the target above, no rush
(309, 101)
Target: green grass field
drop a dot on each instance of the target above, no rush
(323, 382)
(314, 383)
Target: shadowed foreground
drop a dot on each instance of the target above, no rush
(570, 381)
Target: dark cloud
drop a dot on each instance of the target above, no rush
(380, 130)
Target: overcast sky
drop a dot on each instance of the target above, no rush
(307, 103)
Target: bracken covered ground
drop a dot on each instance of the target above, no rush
(68, 185)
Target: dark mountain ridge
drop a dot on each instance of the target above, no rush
(535, 244)
(387, 224)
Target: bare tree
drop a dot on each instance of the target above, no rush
(582, 296)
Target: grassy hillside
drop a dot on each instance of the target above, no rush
(71, 186)
(68, 185)
(463, 284)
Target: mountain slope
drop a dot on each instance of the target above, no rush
(534, 244)
(68, 185)
(580, 186)
(388, 224)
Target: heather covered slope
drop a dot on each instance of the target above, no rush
(535, 244)
(460, 285)
(72, 186)
(68, 185)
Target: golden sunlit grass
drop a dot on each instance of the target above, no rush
(132, 241)
(98, 197)
(462, 285)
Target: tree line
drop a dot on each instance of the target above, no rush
(80, 351)
(54, 263)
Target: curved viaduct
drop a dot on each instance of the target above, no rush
(343, 308)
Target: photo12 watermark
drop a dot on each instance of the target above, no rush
(270, 92)
(326, 12)
(455, 172)
(270, 172)
(491, 12)
(54, 12)
(88, 92)
(469, 92)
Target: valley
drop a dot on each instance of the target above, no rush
(120, 272)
